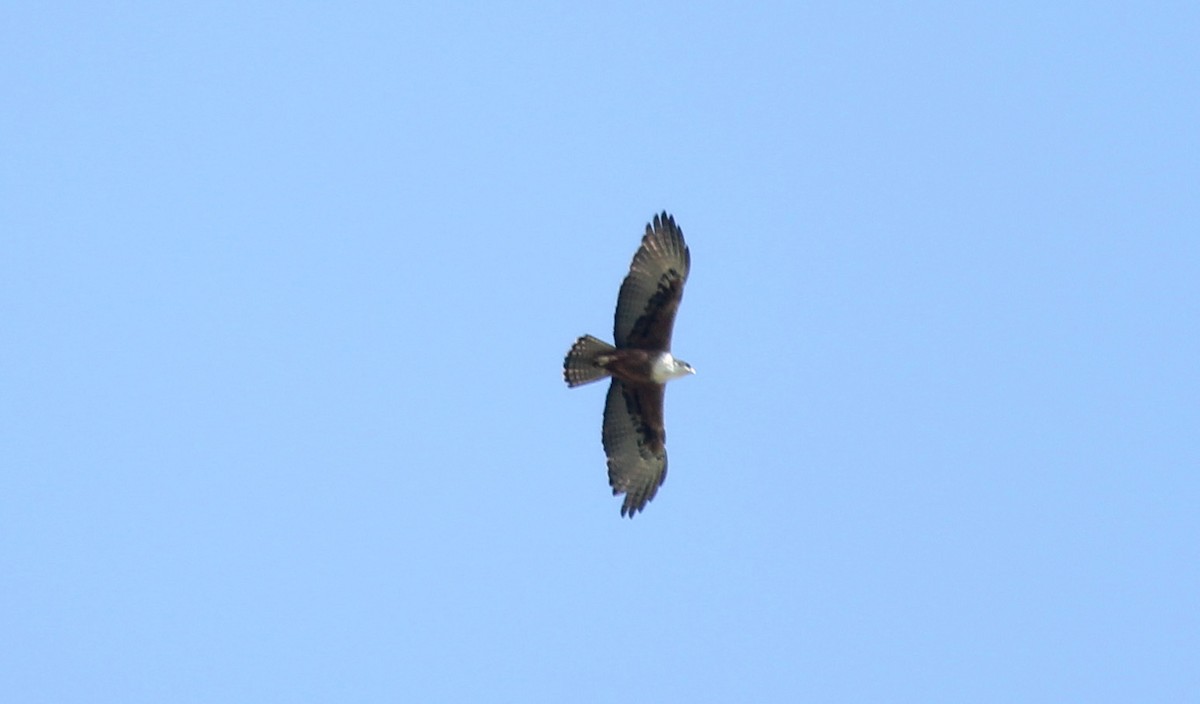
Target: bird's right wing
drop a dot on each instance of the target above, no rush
(652, 290)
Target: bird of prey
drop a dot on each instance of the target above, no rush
(640, 364)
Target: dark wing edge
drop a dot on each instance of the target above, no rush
(651, 292)
(635, 442)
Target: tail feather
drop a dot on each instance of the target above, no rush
(580, 365)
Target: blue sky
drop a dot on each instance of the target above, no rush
(285, 291)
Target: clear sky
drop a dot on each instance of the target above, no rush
(285, 291)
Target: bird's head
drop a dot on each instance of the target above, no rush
(682, 368)
(667, 367)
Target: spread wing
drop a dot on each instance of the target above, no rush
(652, 290)
(635, 442)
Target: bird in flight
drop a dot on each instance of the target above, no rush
(640, 364)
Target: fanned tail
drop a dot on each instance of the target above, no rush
(580, 366)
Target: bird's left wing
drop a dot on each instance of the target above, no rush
(635, 442)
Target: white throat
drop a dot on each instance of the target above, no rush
(666, 368)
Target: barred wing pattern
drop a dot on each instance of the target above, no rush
(652, 290)
(635, 442)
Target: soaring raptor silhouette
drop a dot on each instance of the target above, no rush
(640, 364)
